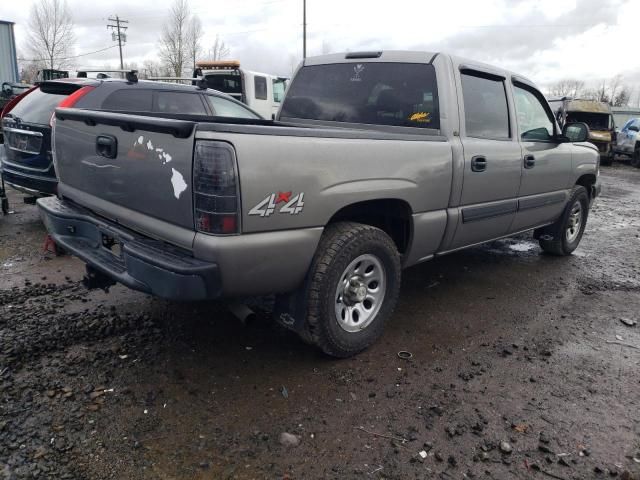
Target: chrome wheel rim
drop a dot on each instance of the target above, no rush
(360, 293)
(574, 222)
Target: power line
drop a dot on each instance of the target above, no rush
(69, 58)
(120, 35)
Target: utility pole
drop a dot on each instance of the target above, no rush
(304, 29)
(118, 34)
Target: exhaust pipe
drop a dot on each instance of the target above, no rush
(242, 313)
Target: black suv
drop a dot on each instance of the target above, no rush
(26, 123)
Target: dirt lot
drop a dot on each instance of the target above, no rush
(522, 368)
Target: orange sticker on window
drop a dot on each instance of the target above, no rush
(421, 117)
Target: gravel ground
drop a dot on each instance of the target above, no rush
(522, 367)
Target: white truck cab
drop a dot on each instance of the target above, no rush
(260, 91)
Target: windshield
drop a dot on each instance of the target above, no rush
(230, 83)
(398, 94)
(596, 121)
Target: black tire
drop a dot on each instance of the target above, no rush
(555, 238)
(5, 205)
(341, 245)
(635, 158)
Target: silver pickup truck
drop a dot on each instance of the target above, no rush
(376, 161)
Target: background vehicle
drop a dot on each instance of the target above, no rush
(4, 201)
(28, 162)
(378, 161)
(9, 90)
(8, 57)
(628, 141)
(621, 115)
(50, 74)
(261, 91)
(28, 165)
(597, 115)
(9, 74)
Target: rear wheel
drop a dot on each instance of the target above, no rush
(564, 236)
(353, 288)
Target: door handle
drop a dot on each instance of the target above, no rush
(529, 161)
(107, 146)
(478, 163)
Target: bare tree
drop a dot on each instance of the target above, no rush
(152, 68)
(194, 35)
(623, 97)
(601, 93)
(219, 50)
(567, 88)
(173, 40)
(51, 36)
(614, 84)
(28, 69)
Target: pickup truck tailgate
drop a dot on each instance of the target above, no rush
(140, 163)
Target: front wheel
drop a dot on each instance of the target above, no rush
(563, 237)
(353, 288)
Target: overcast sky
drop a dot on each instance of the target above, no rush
(546, 40)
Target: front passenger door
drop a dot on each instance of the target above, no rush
(546, 162)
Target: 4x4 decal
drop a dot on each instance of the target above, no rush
(292, 204)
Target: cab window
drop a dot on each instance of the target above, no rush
(535, 121)
(279, 86)
(260, 84)
(485, 106)
(129, 100)
(226, 108)
(178, 103)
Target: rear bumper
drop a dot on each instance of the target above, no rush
(36, 185)
(142, 263)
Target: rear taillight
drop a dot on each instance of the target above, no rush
(14, 101)
(72, 99)
(215, 187)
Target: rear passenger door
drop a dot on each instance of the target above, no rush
(492, 155)
(546, 161)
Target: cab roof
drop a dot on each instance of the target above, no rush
(412, 56)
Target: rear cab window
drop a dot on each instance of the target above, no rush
(371, 93)
(230, 83)
(486, 114)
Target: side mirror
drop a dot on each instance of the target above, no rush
(634, 128)
(576, 132)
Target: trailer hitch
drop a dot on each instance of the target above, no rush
(94, 279)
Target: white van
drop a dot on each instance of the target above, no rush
(260, 91)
